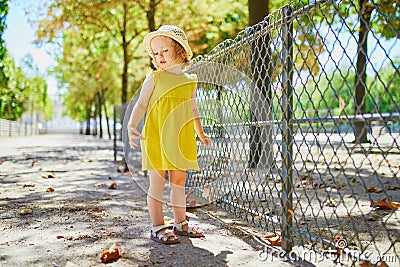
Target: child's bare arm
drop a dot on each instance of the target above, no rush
(139, 110)
(204, 138)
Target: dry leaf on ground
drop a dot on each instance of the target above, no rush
(291, 213)
(48, 176)
(392, 187)
(384, 205)
(50, 189)
(273, 239)
(331, 203)
(25, 211)
(304, 176)
(111, 254)
(113, 186)
(374, 190)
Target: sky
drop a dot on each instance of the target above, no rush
(19, 38)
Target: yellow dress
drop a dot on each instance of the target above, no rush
(170, 142)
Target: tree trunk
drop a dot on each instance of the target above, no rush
(258, 10)
(87, 119)
(361, 128)
(99, 104)
(103, 100)
(124, 90)
(150, 13)
(260, 71)
(94, 133)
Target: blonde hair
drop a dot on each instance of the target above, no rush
(181, 55)
(180, 52)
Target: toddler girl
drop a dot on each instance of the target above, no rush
(168, 140)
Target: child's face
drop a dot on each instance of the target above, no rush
(163, 52)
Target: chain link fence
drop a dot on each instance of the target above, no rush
(303, 113)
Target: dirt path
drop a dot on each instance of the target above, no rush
(72, 225)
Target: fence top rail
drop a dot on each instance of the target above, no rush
(354, 118)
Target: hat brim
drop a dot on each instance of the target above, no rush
(150, 36)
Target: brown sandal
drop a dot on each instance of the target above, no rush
(192, 231)
(166, 237)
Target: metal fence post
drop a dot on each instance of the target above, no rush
(287, 131)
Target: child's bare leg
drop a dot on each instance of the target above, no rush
(155, 196)
(177, 179)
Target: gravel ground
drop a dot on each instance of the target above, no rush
(83, 216)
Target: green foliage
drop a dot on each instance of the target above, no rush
(3, 49)
(12, 95)
(384, 93)
(23, 93)
(384, 15)
(334, 93)
(101, 42)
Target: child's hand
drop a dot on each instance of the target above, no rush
(134, 134)
(205, 140)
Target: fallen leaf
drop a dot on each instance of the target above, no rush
(374, 190)
(112, 186)
(29, 185)
(304, 176)
(392, 187)
(101, 185)
(67, 237)
(48, 176)
(111, 254)
(273, 239)
(1, 162)
(384, 205)
(50, 189)
(291, 213)
(341, 186)
(25, 211)
(373, 217)
(331, 203)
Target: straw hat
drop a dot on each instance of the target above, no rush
(173, 32)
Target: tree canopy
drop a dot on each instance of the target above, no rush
(101, 42)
